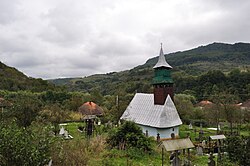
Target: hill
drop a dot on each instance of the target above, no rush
(190, 63)
(217, 56)
(11, 79)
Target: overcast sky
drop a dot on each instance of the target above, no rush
(69, 38)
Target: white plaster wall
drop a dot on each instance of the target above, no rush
(151, 131)
(164, 132)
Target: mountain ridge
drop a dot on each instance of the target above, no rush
(193, 62)
(211, 48)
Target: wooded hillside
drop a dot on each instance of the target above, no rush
(231, 62)
(13, 80)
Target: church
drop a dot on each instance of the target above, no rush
(156, 113)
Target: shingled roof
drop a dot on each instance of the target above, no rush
(142, 110)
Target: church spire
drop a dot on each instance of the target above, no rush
(162, 61)
(162, 81)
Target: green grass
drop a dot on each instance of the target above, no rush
(184, 130)
(130, 157)
(72, 129)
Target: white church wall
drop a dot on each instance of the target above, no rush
(151, 131)
(164, 132)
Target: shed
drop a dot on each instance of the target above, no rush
(178, 144)
(90, 110)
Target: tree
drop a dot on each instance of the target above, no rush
(55, 115)
(55, 96)
(224, 105)
(76, 101)
(96, 96)
(184, 106)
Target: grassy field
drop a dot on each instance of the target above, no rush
(97, 154)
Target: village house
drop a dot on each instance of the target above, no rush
(156, 113)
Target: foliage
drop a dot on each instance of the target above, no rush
(19, 146)
(78, 151)
(132, 156)
(235, 83)
(13, 80)
(184, 106)
(25, 108)
(224, 106)
(76, 100)
(238, 149)
(55, 96)
(129, 135)
(54, 114)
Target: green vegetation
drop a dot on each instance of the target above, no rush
(13, 80)
(29, 146)
(129, 135)
(238, 149)
(235, 82)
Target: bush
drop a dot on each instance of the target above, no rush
(238, 149)
(129, 135)
(19, 146)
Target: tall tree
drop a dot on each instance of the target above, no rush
(225, 105)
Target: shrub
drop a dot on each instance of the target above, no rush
(238, 149)
(19, 146)
(129, 135)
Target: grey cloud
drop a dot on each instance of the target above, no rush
(64, 38)
(9, 11)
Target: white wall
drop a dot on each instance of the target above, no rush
(164, 132)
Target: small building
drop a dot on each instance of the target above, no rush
(204, 104)
(156, 113)
(90, 111)
(90, 108)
